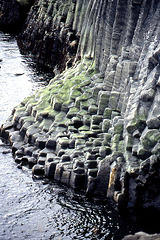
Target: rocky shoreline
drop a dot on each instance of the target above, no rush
(95, 127)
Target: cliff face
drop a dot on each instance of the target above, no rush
(96, 126)
(49, 34)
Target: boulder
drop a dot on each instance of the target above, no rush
(142, 236)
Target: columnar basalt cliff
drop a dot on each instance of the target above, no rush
(95, 127)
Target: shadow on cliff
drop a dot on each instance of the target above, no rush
(13, 14)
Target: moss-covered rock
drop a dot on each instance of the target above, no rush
(150, 139)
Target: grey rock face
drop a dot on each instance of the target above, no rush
(141, 236)
(49, 35)
(97, 122)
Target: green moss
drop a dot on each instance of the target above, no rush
(106, 125)
(60, 117)
(83, 97)
(27, 119)
(81, 113)
(77, 136)
(84, 128)
(115, 142)
(68, 87)
(75, 93)
(50, 104)
(118, 128)
(42, 105)
(72, 112)
(85, 83)
(131, 127)
(137, 122)
(45, 123)
(92, 71)
(26, 100)
(142, 152)
(113, 100)
(150, 139)
(107, 137)
(48, 111)
(30, 106)
(20, 108)
(107, 113)
(121, 146)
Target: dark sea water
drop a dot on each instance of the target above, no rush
(40, 210)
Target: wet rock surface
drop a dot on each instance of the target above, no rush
(95, 127)
(141, 236)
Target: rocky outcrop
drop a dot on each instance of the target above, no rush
(95, 127)
(141, 236)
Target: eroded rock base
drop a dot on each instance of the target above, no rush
(68, 132)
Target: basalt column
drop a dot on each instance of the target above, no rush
(95, 127)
